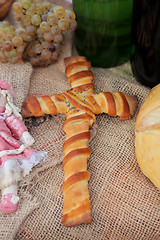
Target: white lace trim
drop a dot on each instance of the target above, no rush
(14, 151)
(10, 107)
(14, 170)
(36, 157)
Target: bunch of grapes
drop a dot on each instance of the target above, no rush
(45, 25)
(12, 43)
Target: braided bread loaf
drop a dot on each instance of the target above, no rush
(80, 105)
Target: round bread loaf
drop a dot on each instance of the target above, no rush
(4, 7)
(147, 136)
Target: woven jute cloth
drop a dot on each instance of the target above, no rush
(124, 203)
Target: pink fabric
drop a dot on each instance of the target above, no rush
(6, 86)
(16, 126)
(26, 154)
(2, 109)
(4, 145)
(6, 135)
(6, 205)
(11, 129)
(3, 127)
(14, 143)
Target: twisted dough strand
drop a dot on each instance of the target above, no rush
(114, 104)
(76, 208)
(39, 106)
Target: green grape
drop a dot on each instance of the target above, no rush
(46, 44)
(30, 12)
(55, 30)
(2, 35)
(30, 50)
(3, 58)
(17, 7)
(12, 45)
(70, 15)
(8, 30)
(58, 38)
(52, 18)
(38, 48)
(18, 17)
(20, 49)
(36, 20)
(46, 54)
(21, 33)
(32, 8)
(29, 38)
(59, 11)
(45, 27)
(43, 23)
(26, 20)
(26, 4)
(7, 24)
(17, 41)
(31, 30)
(13, 53)
(8, 37)
(10, 54)
(46, 6)
(63, 24)
(39, 33)
(8, 46)
(48, 36)
(39, 9)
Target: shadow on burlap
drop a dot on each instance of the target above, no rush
(124, 203)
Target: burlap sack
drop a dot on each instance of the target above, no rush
(125, 204)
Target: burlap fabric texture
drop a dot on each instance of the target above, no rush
(125, 204)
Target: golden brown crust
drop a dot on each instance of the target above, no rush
(76, 66)
(26, 111)
(125, 111)
(80, 75)
(77, 137)
(147, 136)
(77, 118)
(49, 103)
(32, 107)
(151, 105)
(35, 107)
(73, 59)
(81, 214)
(132, 102)
(80, 105)
(58, 97)
(79, 176)
(74, 153)
(83, 88)
(96, 107)
(38, 106)
(150, 121)
(111, 104)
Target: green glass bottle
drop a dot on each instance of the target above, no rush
(104, 28)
